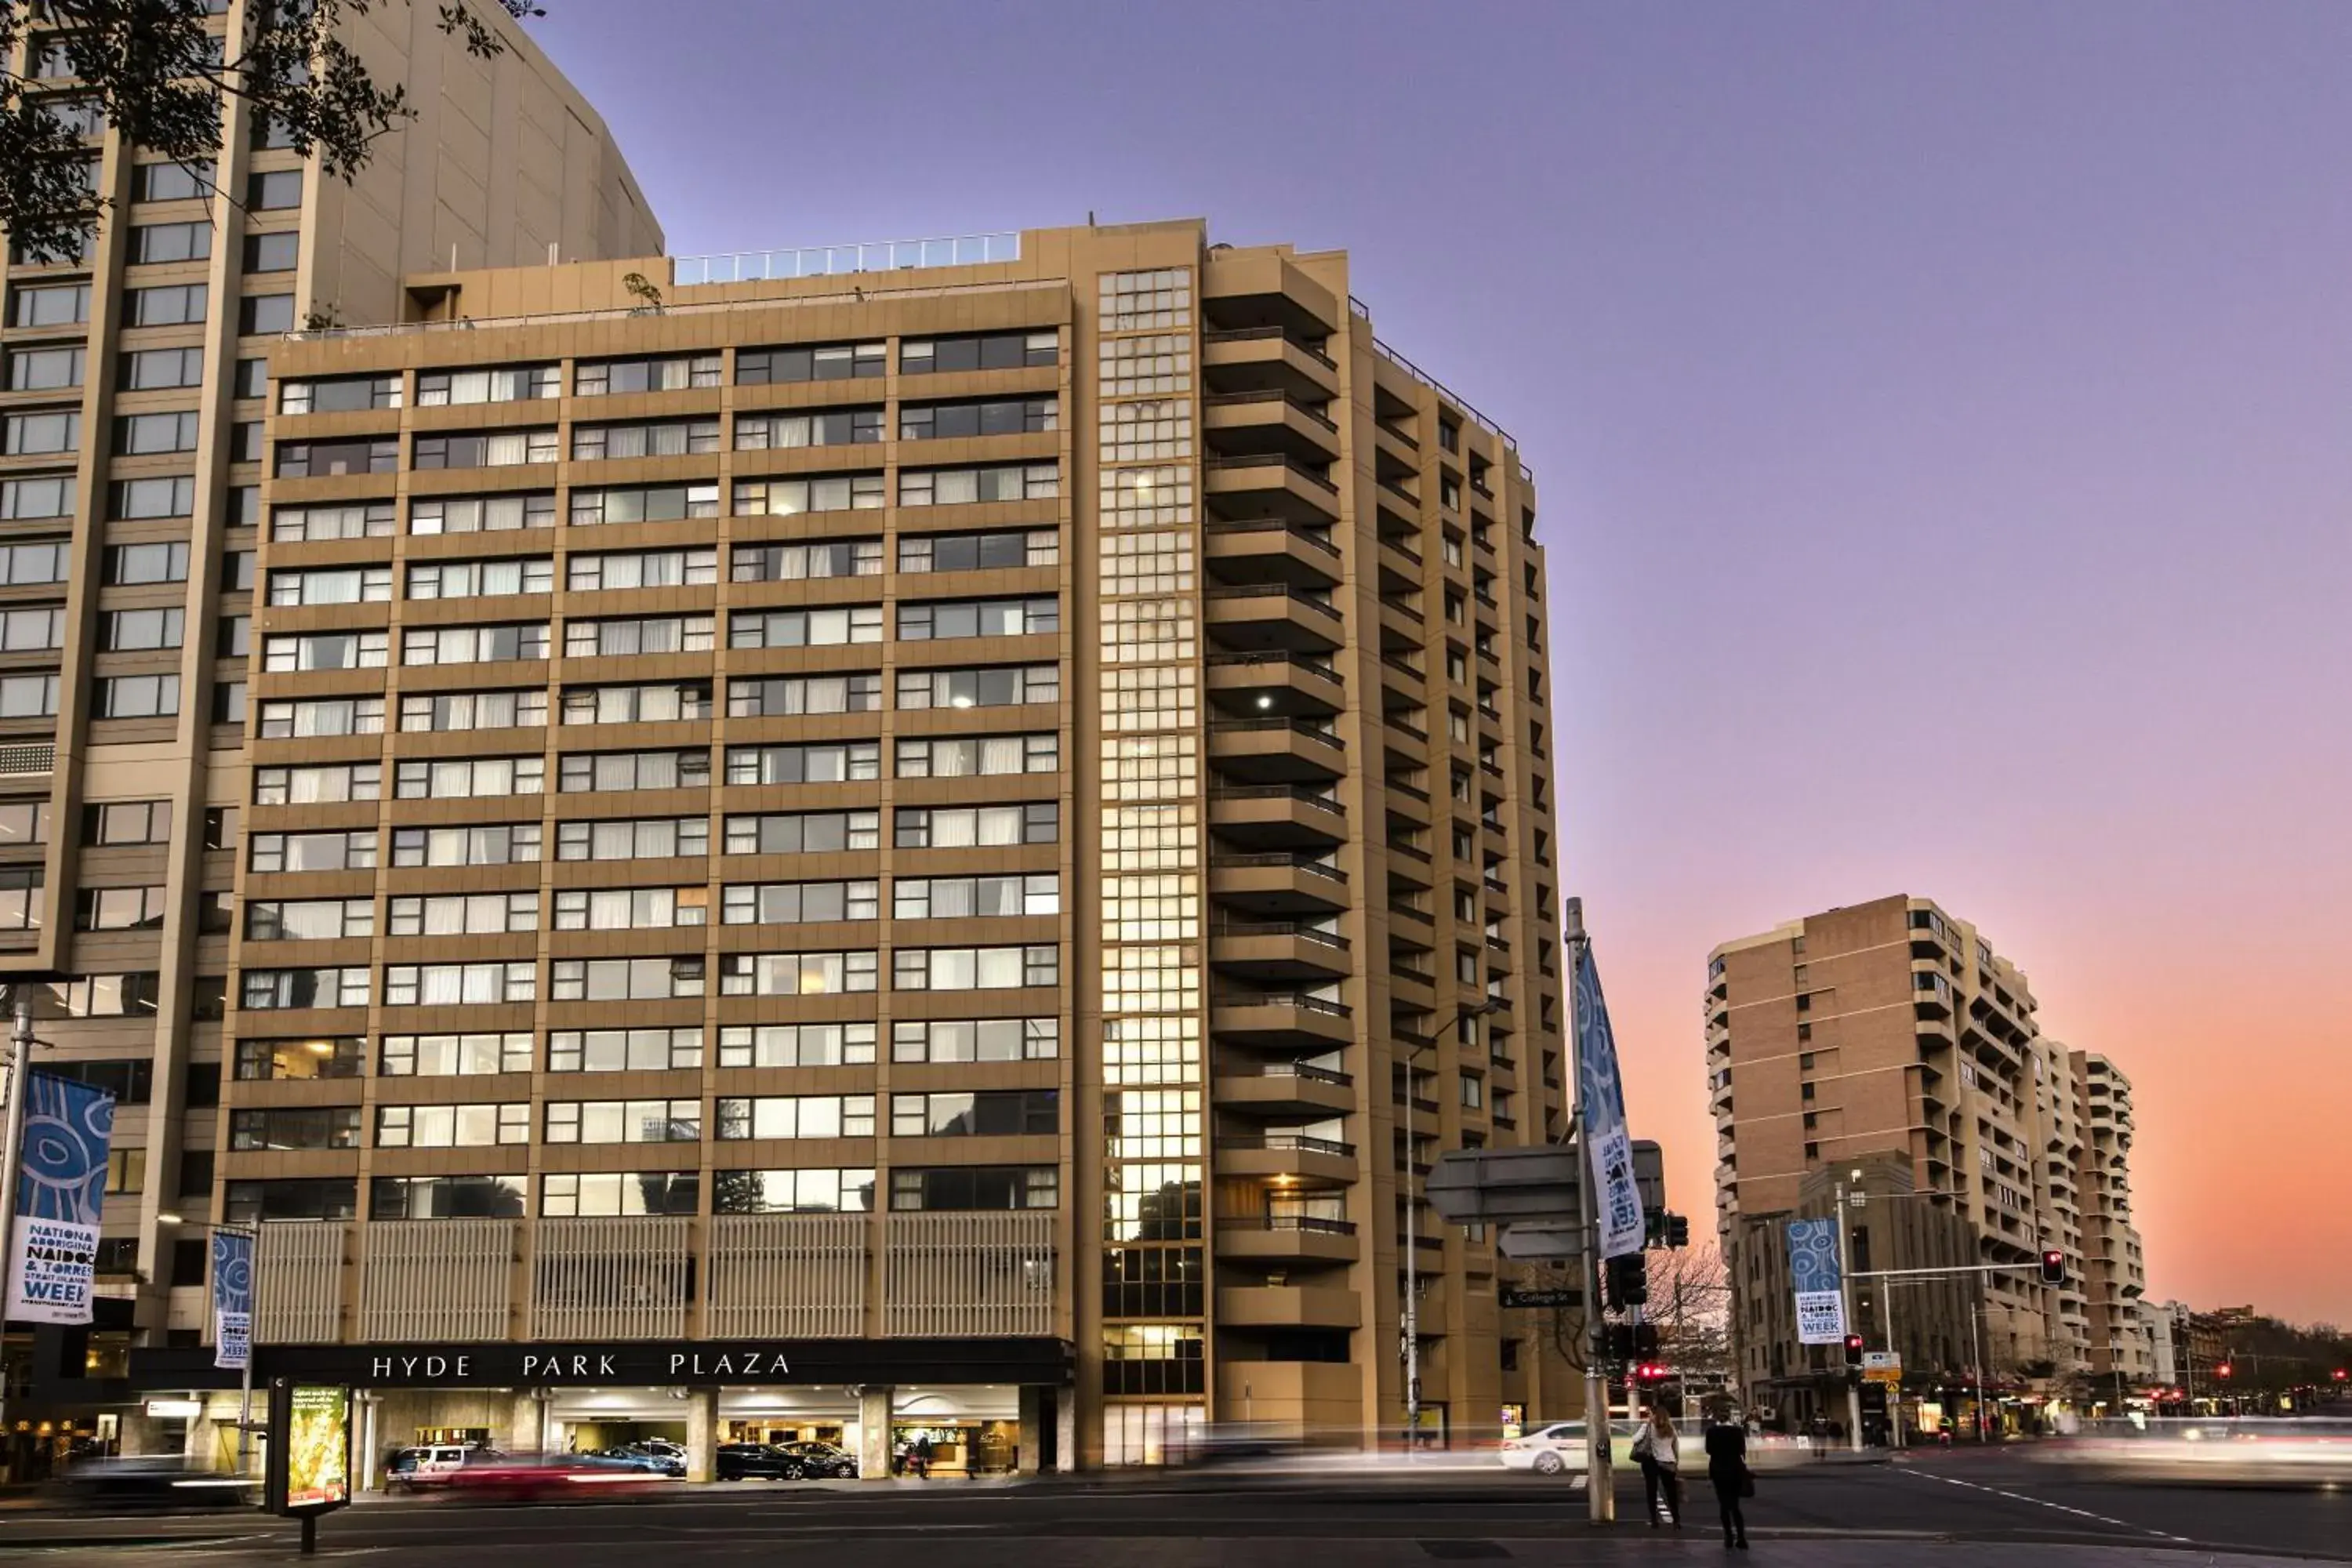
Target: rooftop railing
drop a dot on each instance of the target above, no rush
(837, 260)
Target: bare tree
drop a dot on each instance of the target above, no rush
(1690, 1302)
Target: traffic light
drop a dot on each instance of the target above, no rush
(1618, 1341)
(2222, 1371)
(1628, 1282)
(1853, 1350)
(2053, 1266)
(1677, 1230)
(1645, 1340)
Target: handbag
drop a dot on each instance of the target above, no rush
(1746, 1481)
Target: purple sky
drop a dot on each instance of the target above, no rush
(1940, 414)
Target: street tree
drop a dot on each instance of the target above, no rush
(152, 70)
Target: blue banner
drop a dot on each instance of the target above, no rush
(1609, 1147)
(1818, 1285)
(232, 1298)
(60, 1185)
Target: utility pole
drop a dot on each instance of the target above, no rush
(12, 1143)
(1600, 1492)
(1845, 1288)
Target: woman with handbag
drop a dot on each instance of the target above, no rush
(1727, 1472)
(1655, 1448)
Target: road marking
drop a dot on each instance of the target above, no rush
(2057, 1506)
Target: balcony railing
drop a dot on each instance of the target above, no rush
(1313, 1225)
(1278, 792)
(1298, 929)
(1303, 662)
(1294, 862)
(1298, 726)
(836, 260)
(1274, 589)
(1298, 999)
(1269, 394)
(1276, 524)
(1258, 334)
(1288, 1143)
(1272, 460)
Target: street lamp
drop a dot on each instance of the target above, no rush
(252, 1233)
(1463, 1014)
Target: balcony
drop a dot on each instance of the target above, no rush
(1260, 359)
(1278, 952)
(1254, 617)
(1284, 1089)
(1275, 750)
(1281, 1020)
(1262, 818)
(1271, 550)
(1288, 1306)
(1276, 886)
(1286, 1238)
(1268, 419)
(1298, 684)
(1270, 485)
(1324, 1161)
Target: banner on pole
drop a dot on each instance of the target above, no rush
(1814, 1271)
(61, 1185)
(1609, 1148)
(232, 1298)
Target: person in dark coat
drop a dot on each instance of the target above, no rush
(1726, 1473)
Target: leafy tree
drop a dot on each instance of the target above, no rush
(151, 69)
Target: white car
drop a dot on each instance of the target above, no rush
(1559, 1446)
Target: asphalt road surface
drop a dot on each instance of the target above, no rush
(1935, 1510)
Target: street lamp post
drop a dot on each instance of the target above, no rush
(1412, 1314)
(20, 1063)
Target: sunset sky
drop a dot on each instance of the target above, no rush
(1940, 413)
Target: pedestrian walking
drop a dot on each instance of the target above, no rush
(1728, 1473)
(1655, 1450)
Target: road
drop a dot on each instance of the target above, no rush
(1931, 1512)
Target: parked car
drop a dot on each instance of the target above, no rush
(159, 1484)
(757, 1462)
(822, 1460)
(635, 1459)
(1549, 1449)
(430, 1464)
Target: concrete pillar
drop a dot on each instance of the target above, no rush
(527, 1427)
(1065, 1429)
(701, 1434)
(370, 1453)
(874, 1431)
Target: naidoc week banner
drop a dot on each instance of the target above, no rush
(1813, 1269)
(53, 1243)
(232, 1298)
(1610, 1149)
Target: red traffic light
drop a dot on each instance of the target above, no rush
(2053, 1266)
(2337, 1374)
(2223, 1370)
(1853, 1350)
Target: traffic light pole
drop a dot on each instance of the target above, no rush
(1845, 1285)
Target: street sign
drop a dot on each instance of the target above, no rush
(1882, 1366)
(1524, 1296)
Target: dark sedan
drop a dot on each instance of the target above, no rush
(757, 1462)
(823, 1460)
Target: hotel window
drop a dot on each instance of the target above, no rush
(119, 909)
(35, 630)
(590, 771)
(481, 514)
(973, 756)
(460, 711)
(660, 702)
(314, 851)
(446, 1197)
(800, 903)
(631, 909)
(275, 988)
(58, 369)
(120, 631)
(521, 383)
(499, 845)
(612, 1193)
(989, 351)
(795, 563)
(458, 984)
(831, 628)
(37, 497)
(634, 838)
(995, 417)
(602, 378)
(624, 979)
(21, 906)
(799, 1191)
(832, 362)
(969, 827)
(303, 1198)
(975, 1039)
(978, 552)
(24, 823)
(277, 252)
(173, 495)
(822, 493)
(834, 763)
(118, 697)
(817, 427)
(797, 1116)
(796, 974)
(797, 1044)
(963, 1188)
(340, 394)
(311, 1057)
(653, 438)
(467, 778)
(483, 579)
(62, 305)
(324, 460)
(462, 914)
(956, 487)
(643, 569)
(1131, 367)
(975, 968)
(485, 449)
(624, 1050)
(154, 243)
(804, 833)
(989, 1113)
(328, 585)
(979, 618)
(40, 431)
(172, 305)
(1146, 497)
(310, 785)
(624, 1122)
(451, 1126)
(1142, 431)
(324, 1127)
(524, 640)
(999, 686)
(642, 503)
(975, 897)
(790, 696)
(312, 524)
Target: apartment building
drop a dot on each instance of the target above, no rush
(132, 401)
(2114, 1277)
(880, 842)
(1894, 1027)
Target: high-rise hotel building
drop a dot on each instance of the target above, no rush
(132, 400)
(874, 842)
